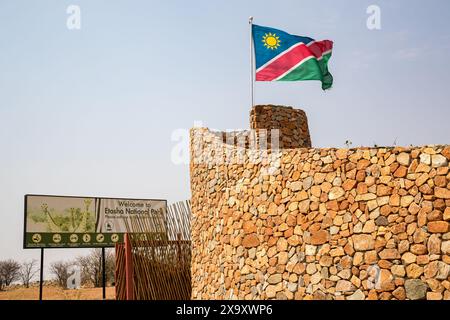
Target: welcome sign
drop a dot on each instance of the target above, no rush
(86, 222)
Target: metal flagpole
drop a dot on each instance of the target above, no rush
(250, 22)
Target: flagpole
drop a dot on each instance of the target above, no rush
(252, 85)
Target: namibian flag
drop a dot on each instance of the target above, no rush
(281, 56)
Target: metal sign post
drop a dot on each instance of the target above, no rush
(104, 272)
(41, 274)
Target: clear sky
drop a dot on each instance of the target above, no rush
(92, 111)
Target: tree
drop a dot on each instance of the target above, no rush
(60, 270)
(91, 267)
(28, 271)
(9, 272)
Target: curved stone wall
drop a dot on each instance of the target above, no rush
(305, 223)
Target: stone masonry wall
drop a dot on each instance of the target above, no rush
(305, 223)
(292, 123)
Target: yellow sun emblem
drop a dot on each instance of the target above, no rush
(271, 41)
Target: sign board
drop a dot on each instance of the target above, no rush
(87, 222)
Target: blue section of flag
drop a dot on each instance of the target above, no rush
(264, 54)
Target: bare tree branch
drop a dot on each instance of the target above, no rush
(9, 272)
(28, 271)
(60, 270)
(91, 267)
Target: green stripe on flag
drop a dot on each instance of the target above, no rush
(312, 69)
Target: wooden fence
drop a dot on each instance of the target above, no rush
(154, 262)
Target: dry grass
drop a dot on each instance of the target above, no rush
(52, 292)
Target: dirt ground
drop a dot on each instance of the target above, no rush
(56, 293)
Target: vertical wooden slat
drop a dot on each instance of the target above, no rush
(129, 268)
(161, 267)
(120, 280)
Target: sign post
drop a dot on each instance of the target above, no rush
(104, 272)
(41, 274)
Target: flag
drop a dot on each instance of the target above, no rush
(281, 56)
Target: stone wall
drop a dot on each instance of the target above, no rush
(305, 223)
(292, 123)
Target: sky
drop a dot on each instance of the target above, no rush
(93, 111)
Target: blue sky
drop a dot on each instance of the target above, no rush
(92, 111)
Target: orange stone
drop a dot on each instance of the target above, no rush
(370, 257)
(437, 226)
(250, 241)
(418, 249)
(385, 210)
(295, 176)
(348, 184)
(389, 254)
(440, 181)
(291, 220)
(249, 227)
(332, 205)
(341, 153)
(363, 242)
(447, 213)
(386, 281)
(393, 166)
(361, 188)
(384, 264)
(435, 215)
(426, 189)
(349, 249)
(383, 190)
(394, 200)
(442, 193)
(399, 293)
(400, 172)
(398, 228)
(299, 268)
(423, 259)
(446, 152)
(372, 295)
(362, 164)
(319, 237)
(360, 175)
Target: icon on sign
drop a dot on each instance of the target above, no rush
(100, 237)
(114, 237)
(56, 238)
(86, 237)
(109, 226)
(73, 237)
(36, 238)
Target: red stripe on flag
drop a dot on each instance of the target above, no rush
(319, 47)
(290, 59)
